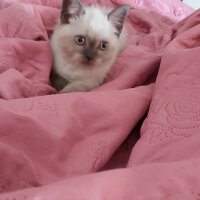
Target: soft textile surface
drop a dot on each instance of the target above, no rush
(59, 146)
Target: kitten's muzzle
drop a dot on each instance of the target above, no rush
(89, 54)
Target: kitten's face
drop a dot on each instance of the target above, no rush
(84, 51)
(89, 41)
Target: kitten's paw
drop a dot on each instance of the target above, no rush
(69, 89)
(78, 86)
(65, 90)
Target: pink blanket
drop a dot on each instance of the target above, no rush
(78, 146)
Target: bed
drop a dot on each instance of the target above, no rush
(135, 137)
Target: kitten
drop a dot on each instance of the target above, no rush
(85, 43)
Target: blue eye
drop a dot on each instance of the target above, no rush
(103, 46)
(80, 40)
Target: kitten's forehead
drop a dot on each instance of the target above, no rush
(95, 24)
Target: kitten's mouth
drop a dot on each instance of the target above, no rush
(88, 63)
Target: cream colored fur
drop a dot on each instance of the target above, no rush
(95, 24)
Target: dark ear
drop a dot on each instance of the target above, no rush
(70, 9)
(117, 17)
